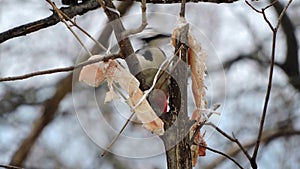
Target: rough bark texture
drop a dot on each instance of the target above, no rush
(177, 123)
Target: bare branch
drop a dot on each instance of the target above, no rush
(233, 139)
(49, 21)
(270, 5)
(126, 50)
(270, 79)
(118, 135)
(82, 30)
(74, 10)
(182, 8)
(68, 26)
(143, 24)
(266, 19)
(63, 88)
(253, 8)
(241, 146)
(267, 137)
(223, 154)
(282, 14)
(65, 69)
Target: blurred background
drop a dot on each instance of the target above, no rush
(39, 115)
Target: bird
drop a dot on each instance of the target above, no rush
(151, 57)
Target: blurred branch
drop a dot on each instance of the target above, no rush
(70, 11)
(13, 98)
(10, 167)
(263, 62)
(116, 163)
(267, 137)
(50, 109)
(291, 64)
(254, 56)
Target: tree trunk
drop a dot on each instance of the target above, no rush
(177, 123)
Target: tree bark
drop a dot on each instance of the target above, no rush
(177, 123)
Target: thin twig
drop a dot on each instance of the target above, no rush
(252, 7)
(269, 136)
(233, 139)
(198, 127)
(68, 26)
(65, 69)
(196, 131)
(282, 14)
(143, 24)
(270, 79)
(223, 154)
(270, 5)
(241, 147)
(123, 127)
(267, 20)
(82, 30)
(118, 135)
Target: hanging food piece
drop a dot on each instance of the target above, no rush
(196, 58)
(114, 73)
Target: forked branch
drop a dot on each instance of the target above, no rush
(270, 79)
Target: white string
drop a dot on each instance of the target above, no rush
(146, 92)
